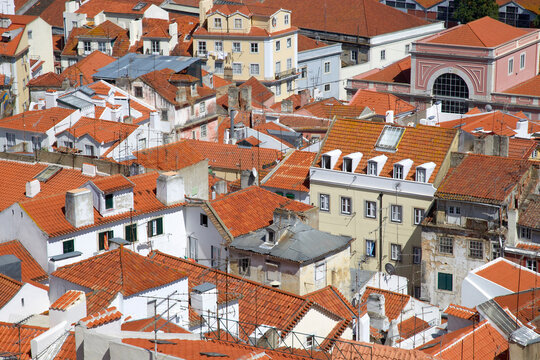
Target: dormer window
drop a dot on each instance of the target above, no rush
(372, 168)
(325, 162)
(398, 172)
(270, 236)
(237, 23)
(421, 175)
(286, 20)
(217, 23)
(109, 203)
(347, 165)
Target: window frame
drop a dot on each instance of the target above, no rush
(244, 265)
(397, 173)
(525, 233)
(383, 54)
(531, 264)
(420, 175)
(11, 139)
(156, 48)
(326, 87)
(395, 252)
(346, 205)
(87, 47)
(128, 229)
(202, 48)
(237, 23)
(101, 240)
(278, 45)
(475, 252)
(417, 220)
(445, 245)
(321, 202)
(216, 20)
(138, 90)
(369, 243)
(203, 220)
(417, 255)
(251, 66)
(218, 46)
(399, 212)
(289, 42)
(510, 66)
(236, 47)
(109, 201)
(367, 209)
(326, 67)
(372, 168)
(156, 230)
(67, 245)
(254, 48)
(233, 68)
(446, 277)
(522, 59)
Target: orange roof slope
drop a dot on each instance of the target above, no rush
(394, 302)
(258, 304)
(30, 269)
(174, 156)
(292, 173)
(412, 326)
(116, 271)
(481, 341)
(461, 312)
(68, 350)
(87, 66)
(305, 43)
(148, 325)
(319, 108)
(504, 273)
(485, 32)
(48, 212)
(332, 299)
(398, 72)
(488, 179)
(357, 350)
(495, 122)
(38, 121)
(50, 80)
(524, 305)
(103, 131)
(66, 300)
(380, 102)
(531, 5)
(251, 209)
(259, 92)
(529, 215)
(10, 287)
(15, 175)
(364, 18)
(15, 339)
(300, 123)
(421, 144)
(530, 87)
(521, 148)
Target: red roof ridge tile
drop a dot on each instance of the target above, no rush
(66, 300)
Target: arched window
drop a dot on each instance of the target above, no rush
(449, 86)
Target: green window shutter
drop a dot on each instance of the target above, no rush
(444, 281)
(279, 193)
(131, 233)
(69, 246)
(289, 196)
(159, 226)
(101, 241)
(149, 228)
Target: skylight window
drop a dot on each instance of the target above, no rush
(389, 138)
(139, 6)
(48, 173)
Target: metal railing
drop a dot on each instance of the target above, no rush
(284, 74)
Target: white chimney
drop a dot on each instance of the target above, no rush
(170, 188)
(89, 170)
(522, 128)
(173, 32)
(79, 207)
(390, 116)
(116, 113)
(32, 188)
(41, 104)
(154, 120)
(50, 98)
(204, 299)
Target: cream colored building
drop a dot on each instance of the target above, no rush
(241, 41)
(369, 174)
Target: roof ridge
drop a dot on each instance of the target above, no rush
(476, 35)
(463, 336)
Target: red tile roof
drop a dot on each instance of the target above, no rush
(148, 325)
(94, 7)
(305, 123)
(116, 271)
(252, 208)
(529, 214)
(259, 93)
(523, 305)
(529, 87)
(292, 173)
(87, 66)
(495, 122)
(101, 318)
(394, 302)
(521, 148)
(11, 47)
(365, 18)
(333, 300)
(15, 339)
(531, 5)
(68, 351)
(358, 350)
(461, 312)
(174, 156)
(65, 301)
(48, 212)
(380, 102)
(305, 43)
(421, 144)
(504, 273)
(483, 178)
(258, 304)
(39, 121)
(30, 269)
(49, 80)
(412, 326)
(10, 287)
(480, 341)
(484, 32)
(318, 108)
(15, 175)
(103, 131)
(113, 183)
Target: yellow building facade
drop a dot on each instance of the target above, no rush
(239, 42)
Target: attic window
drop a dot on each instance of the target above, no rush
(48, 173)
(109, 201)
(389, 138)
(140, 5)
(325, 162)
(347, 164)
(270, 236)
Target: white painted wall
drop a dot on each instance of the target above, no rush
(476, 290)
(315, 322)
(28, 301)
(206, 236)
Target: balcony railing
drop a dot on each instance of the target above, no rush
(286, 73)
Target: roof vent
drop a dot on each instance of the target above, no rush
(140, 5)
(5, 23)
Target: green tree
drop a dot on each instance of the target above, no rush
(469, 10)
(536, 21)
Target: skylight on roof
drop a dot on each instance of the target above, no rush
(48, 173)
(139, 6)
(389, 138)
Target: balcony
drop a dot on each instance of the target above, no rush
(284, 74)
(201, 54)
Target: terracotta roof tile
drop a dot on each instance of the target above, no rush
(258, 304)
(68, 351)
(30, 269)
(113, 183)
(148, 325)
(305, 43)
(484, 32)
(397, 72)
(174, 156)
(103, 131)
(461, 312)
(394, 302)
(155, 28)
(526, 246)
(380, 102)
(259, 93)
(10, 47)
(38, 121)
(10, 287)
(65, 301)
(332, 299)
(483, 178)
(495, 122)
(523, 305)
(319, 108)
(411, 327)
(252, 140)
(529, 214)
(48, 211)
(504, 273)
(364, 18)
(529, 87)
(101, 318)
(15, 340)
(50, 80)
(70, 47)
(87, 66)
(305, 123)
(116, 271)
(251, 209)
(479, 341)
(49, 10)
(521, 148)
(94, 7)
(292, 173)
(357, 350)
(17, 174)
(421, 144)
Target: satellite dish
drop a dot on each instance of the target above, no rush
(390, 269)
(489, 108)
(254, 172)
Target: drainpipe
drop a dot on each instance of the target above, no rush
(380, 233)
